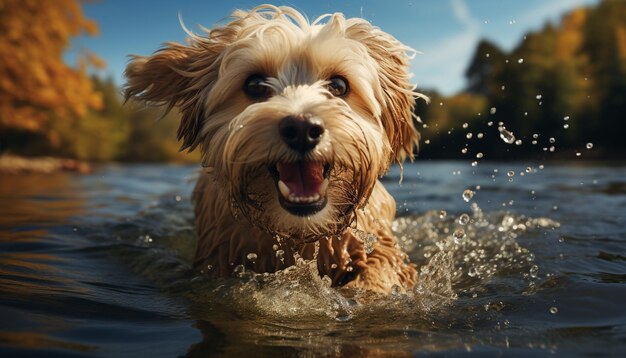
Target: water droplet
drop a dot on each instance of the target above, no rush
(534, 269)
(552, 140)
(251, 256)
(468, 195)
(552, 149)
(464, 150)
(469, 135)
(538, 96)
(578, 154)
(474, 163)
(280, 254)
(177, 198)
(464, 219)
(529, 169)
(427, 141)
(535, 135)
(464, 125)
(492, 110)
(274, 247)
(490, 123)
(506, 136)
(554, 310)
(349, 268)
(589, 145)
(369, 240)
(510, 173)
(534, 142)
(521, 60)
(565, 126)
(395, 290)
(333, 266)
(458, 235)
(442, 214)
(480, 135)
(486, 55)
(518, 142)
(479, 155)
(566, 118)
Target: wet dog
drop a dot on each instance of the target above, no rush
(296, 121)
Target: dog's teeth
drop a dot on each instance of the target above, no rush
(323, 188)
(284, 190)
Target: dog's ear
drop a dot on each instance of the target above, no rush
(397, 95)
(177, 75)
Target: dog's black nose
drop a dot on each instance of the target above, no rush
(302, 132)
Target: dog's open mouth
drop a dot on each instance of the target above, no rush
(301, 186)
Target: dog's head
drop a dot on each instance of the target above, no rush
(297, 119)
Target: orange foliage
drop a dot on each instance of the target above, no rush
(570, 38)
(35, 84)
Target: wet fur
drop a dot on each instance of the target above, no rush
(236, 203)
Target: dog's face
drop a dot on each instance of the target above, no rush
(298, 120)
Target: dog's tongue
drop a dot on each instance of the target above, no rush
(302, 178)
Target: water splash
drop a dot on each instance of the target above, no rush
(452, 260)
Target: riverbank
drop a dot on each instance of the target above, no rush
(13, 164)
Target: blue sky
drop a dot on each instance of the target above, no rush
(444, 31)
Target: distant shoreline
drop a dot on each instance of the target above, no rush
(13, 164)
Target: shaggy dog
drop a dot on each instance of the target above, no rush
(296, 122)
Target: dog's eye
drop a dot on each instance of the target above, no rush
(338, 86)
(256, 88)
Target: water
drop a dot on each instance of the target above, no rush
(100, 265)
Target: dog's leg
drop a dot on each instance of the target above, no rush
(348, 264)
(378, 267)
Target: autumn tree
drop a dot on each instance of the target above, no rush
(36, 86)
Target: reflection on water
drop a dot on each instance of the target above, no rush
(39, 199)
(99, 264)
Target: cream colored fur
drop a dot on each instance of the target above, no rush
(237, 208)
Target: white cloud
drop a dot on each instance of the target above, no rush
(442, 66)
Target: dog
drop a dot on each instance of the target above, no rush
(296, 121)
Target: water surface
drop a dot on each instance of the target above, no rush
(100, 265)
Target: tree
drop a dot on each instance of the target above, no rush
(605, 43)
(36, 86)
(485, 66)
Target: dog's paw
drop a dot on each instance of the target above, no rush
(341, 258)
